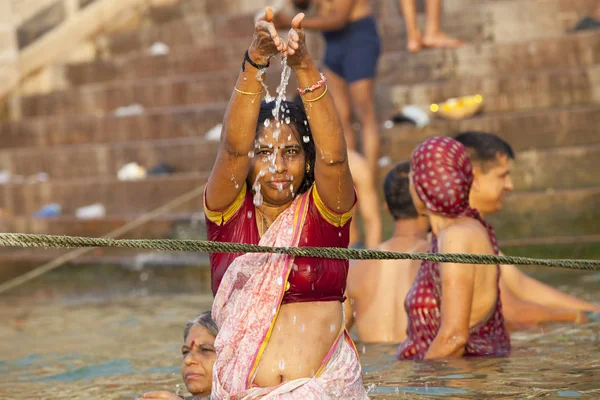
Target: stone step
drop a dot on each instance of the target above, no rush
(502, 93)
(118, 197)
(396, 66)
(152, 124)
(508, 92)
(194, 154)
(567, 212)
(162, 227)
(200, 89)
(541, 129)
(201, 31)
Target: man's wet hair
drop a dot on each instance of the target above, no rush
(484, 147)
(397, 193)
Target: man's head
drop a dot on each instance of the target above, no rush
(491, 158)
(397, 193)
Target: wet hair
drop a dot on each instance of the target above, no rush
(298, 123)
(485, 147)
(204, 320)
(397, 193)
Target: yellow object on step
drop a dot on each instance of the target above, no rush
(459, 108)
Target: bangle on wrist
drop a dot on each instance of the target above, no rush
(310, 89)
(255, 65)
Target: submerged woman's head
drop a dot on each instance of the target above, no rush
(199, 353)
(284, 154)
(441, 177)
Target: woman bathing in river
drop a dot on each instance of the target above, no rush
(453, 309)
(198, 353)
(281, 181)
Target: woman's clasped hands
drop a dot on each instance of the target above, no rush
(267, 42)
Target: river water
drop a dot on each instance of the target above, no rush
(106, 333)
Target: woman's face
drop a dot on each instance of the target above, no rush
(419, 205)
(198, 360)
(278, 164)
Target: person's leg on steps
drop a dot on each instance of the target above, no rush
(363, 104)
(434, 36)
(413, 34)
(338, 88)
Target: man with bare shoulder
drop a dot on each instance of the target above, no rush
(492, 158)
(350, 61)
(368, 204)
(376, 289)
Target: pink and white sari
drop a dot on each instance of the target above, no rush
(245, 309)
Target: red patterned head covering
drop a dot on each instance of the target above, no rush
(443, 175)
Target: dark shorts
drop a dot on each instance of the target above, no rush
(353, 51)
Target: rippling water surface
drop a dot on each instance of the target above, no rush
(74, 345)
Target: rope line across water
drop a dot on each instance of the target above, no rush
(51, 241)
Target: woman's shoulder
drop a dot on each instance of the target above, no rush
(467, 232)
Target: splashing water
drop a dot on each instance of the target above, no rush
(177, 389)
(306, 139)
(260, 77)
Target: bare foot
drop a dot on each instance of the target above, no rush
(441, 40)
(414, 42)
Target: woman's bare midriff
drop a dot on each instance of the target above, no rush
(301, 338)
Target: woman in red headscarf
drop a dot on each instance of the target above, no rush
(453, 309)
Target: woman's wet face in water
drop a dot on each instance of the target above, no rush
(198, 359)
(279, 164)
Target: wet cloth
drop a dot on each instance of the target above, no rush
(311, 279)
(245, 309)
(442, 176)
(353, 51)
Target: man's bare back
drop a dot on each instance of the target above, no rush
(376, 290)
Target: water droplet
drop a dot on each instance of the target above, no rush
(305, 122)
(306, 139)
(245, 80)
(267, 123)
(308, 268)
(280, 281)
(302, 327)
(249, 214)
(274, 311)
(251, 154)
(287, 120)
(332, 327)
(287, 111)
(294, 320)
(235, 184)
(258, 198)
(312, 286)
(364, 349)
(281, 365)
(295, 267)
(340, 234)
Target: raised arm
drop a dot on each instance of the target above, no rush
(529, 289)
(334, 18)
(237, 137)
(332, 173)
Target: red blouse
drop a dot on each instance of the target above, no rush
(311, 279)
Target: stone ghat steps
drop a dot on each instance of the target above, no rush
(165, 226)
(198, 31)
(395, 66)
(570, 126)
(536, 214)
(502, 93)
(503, 21)
(535, 169)
(118, 197)
(508, 92)
(103, 128)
